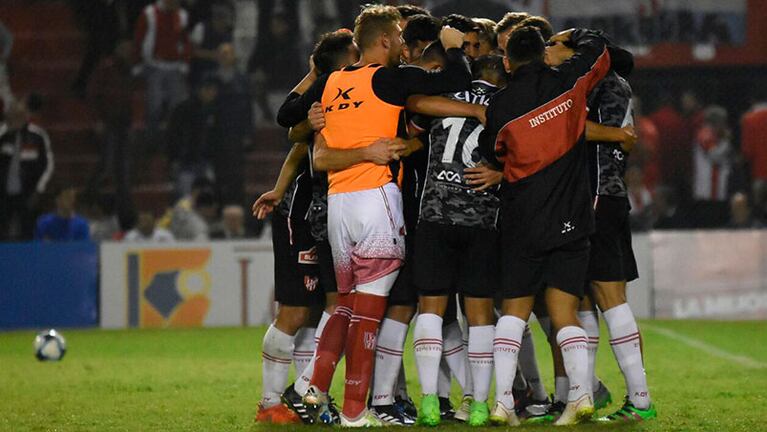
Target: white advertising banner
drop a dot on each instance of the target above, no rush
(710, 274)
(227, 283)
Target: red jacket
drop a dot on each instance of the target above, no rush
(161, 37)
(754, 140)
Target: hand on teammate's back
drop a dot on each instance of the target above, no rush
(316, 116)
(385, 150)
(451, 38)
(482, 177)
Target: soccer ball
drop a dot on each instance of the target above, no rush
(50, 346)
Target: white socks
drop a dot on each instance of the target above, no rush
(574, 345)
(561, 389)
(508, 340)
(303, 351)
(624, 339)
(276, 355)
(454, 353)
(302, 380)
(590, 324)
(481, 359)
(444, 381)
(528, 364)
(427, 347)
(388, 361)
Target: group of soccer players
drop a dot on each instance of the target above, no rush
(469, 172)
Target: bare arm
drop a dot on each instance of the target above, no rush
(380, 152)
(440, 106)
(269, 200)
(598, 132)
(301, 132)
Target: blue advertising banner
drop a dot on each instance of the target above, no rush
(48, 285)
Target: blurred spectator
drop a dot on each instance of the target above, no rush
(194, 223)
(207, 36)
(63, 224)
(713, 155)
(666, 213)
(164, 49)
(186, 202)
(26, 165)
(673, 145)
(234, 127)
(146, 231)
(276, 62)
(646, 150)
(232, 225)
(99, 211)
(6, 45)
(741, 216)
(34, 103)
(111, 99)
(753, 133)
(190, 135)
(99, 21)
(640, 199)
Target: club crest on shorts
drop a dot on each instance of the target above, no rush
(369, 340)
(308, 256)
(311, 282)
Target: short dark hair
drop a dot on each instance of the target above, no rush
(489, 65)
(510, 20)
(525, 44)
(539, 22)
(329, 50)
(421, 28)
(408, 11)
(460, 23)
(434, 52)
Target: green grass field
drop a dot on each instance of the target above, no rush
(704, 376)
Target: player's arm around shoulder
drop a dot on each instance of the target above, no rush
(380, 152)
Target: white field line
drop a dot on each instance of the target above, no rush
(707, 348)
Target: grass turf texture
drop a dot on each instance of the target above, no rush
(209, 379)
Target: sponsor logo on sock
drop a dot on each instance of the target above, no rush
(369, 340)
(353, 382)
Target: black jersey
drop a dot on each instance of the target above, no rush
(317, 215)
(609, 105)
(453, 147)
(295, 203)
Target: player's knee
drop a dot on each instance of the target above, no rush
(291, 319)
(609, 294)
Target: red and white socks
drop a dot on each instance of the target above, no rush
(573, 342)
(506, 345)
(481, 359)
(388, 361)
(427, 348)
(454, 353)
(625, 342)
(277, 356)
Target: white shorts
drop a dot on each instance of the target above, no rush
(366, 230)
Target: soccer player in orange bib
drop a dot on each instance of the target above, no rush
(363, 106)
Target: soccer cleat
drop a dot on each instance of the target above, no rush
(479, 413)
(464, 411)
(317, 405)
(430, 412)
(365, 419)
(602, 397)
(446, 410)
(277, 414)
(406, 405)
(392, 415)
(630, 413)
(502, 416)
(576, 412)
(291, 399)
(548, 415)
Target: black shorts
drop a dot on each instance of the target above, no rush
(612, 257)
(455, 259)
(296, 272)
(527, 273)
(404, 293)
(327, 273)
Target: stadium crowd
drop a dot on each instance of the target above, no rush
(695, 165)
